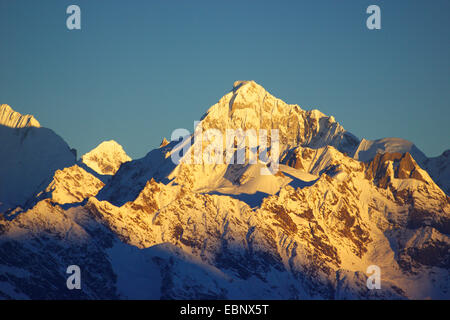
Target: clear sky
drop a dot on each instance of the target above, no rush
(139, 69)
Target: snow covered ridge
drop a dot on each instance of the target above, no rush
(12, 119)
(29, 156)
(36, 162)
(151, 228)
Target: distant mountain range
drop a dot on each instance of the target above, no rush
(154, 229)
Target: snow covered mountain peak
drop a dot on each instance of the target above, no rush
(145, 228)
(246, 94)
(250, 106)
(13, 119)
(240, 83)
(106, 158)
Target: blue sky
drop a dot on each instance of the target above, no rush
(139, 69)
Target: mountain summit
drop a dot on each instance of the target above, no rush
(249, 106)
(106, 158)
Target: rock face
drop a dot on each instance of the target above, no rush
(384, 167)
(164, 230)
(438, 167)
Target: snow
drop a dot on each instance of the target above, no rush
(214, 231)
(72, 185)
(30, 155)
(138, 277)
(12, 119)
(367, 149)
(438, 167)
(106, 158)
(439, 170)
